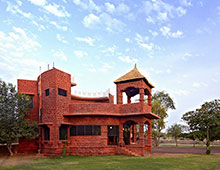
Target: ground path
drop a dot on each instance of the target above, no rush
(181, 150)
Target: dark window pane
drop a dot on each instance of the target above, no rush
(31, 97)
(88, 130)
(61, 92)
(47, 92)
(97, 130)
(73, 131)
(63, 132)
(113, 130)
(80, 130)
(46, 133)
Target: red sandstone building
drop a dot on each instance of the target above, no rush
(88, 126)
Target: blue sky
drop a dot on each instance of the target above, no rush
(174, 43)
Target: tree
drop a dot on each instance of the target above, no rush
(161, 103)
(205, 120)
(175, 131)
(14, 111)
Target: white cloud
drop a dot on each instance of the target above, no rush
(196, 84)
(64, 28)
(218, 8)
(166, 31)
(105, 67)
(87, 5)
(128, 59)
(91, 21)
(61, 38)
(185, 3)
(16, 49)
(15, 9)
(141, 39)
(154, 33)
(180, 92)
(110, 50)
(103, 20)
(80, 54)
(109, 7)
(186, 56)
(38, 2)
(162, 16)
(39, 26)
(150, 20)
(60, 54)
(180, 11)
(87, 40)
(53, 8)
(147, 46)
(92, 70)
(128, 40)
(161, 11)
(57, 10)
(122, 8)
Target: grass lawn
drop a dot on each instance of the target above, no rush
(173, 162)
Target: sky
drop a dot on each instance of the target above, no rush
(175, 44)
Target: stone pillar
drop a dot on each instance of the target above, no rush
(129, 100)
(149, 99)
(135, 133)
(141, 92)
(119, 96)
(141, 137)
(40, 140)
(68, 134)
(149, 133)
(121, 140)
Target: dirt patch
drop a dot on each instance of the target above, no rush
(17, 159)
(182, 150)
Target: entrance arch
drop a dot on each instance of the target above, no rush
(130, 132)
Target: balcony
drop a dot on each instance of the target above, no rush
(108, 109)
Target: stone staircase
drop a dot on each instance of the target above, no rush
(126, 151)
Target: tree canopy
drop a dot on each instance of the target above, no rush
(175, 131)
(205, 120)
(14, 111)
(161, 103)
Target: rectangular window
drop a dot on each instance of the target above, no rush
(62, 92)
(88, 130)
(46, 133)
(47, 92)
(63, 132)
(31, 105)
(113, 133)
(80, 130)
(85, 130)
(73, 131)
(96, 130)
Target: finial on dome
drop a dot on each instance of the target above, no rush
(135, 66)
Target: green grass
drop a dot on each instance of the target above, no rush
(179, 162)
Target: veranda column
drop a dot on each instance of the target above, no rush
(135, 133)
(141, 94)
(141, 138)
(129, 100)
(68, 134)
(119, 96)
(149, 99)
(149, 133)
(121, 141)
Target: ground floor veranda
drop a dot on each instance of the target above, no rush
(97, 136)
